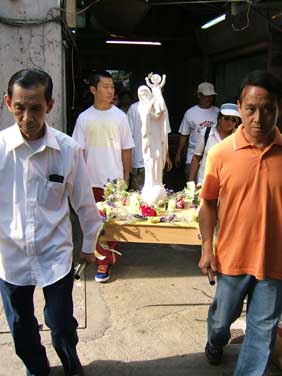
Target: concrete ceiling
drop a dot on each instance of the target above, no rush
(160, 19)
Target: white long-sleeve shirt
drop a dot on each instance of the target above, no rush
(35, 230)
(135, 124)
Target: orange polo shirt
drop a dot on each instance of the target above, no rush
(247, 181)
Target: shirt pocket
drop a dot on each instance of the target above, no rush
(51, 195)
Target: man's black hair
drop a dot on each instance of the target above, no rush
(95, 77)
(27, 78)
(264, 80)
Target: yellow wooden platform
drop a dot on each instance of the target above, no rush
(151, 233)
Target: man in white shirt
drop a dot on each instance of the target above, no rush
(41, 169)
(103, 132)
(195, 121)
(137, 175)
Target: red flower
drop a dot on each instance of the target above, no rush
(148, 211)
(180, 203)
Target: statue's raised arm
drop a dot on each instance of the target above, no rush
(162, 83)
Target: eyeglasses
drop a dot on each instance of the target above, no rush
(231, 118)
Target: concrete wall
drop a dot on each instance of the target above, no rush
(29, 45)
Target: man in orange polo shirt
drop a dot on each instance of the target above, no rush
(242, 194)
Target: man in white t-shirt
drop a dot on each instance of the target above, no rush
(103, 132)
(195, 121)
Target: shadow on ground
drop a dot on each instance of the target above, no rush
(143, 260)
(192, 365)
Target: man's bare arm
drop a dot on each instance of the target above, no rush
(168, 162)
(181, 144)
(207, 222)
(194, 167)
(126, 161)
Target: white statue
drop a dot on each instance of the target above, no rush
(155, 127)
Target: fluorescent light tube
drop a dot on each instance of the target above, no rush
(133, 42)
(214, 21)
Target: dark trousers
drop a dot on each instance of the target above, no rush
(58, 314)
(137, 179)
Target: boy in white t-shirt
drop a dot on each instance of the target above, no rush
(195, 121)
(103, 132)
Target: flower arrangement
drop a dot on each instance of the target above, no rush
(115, 188)
(115, 197)
(121, 205)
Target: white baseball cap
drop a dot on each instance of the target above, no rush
(206, 88)
(230, 109)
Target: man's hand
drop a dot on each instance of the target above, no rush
(87, 258)
(207, 261)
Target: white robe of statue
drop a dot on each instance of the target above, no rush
(154, 144)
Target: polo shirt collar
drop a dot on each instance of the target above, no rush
(16, 139)
(241, 142)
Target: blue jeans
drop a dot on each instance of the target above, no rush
(263, 311)
(58, 314)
